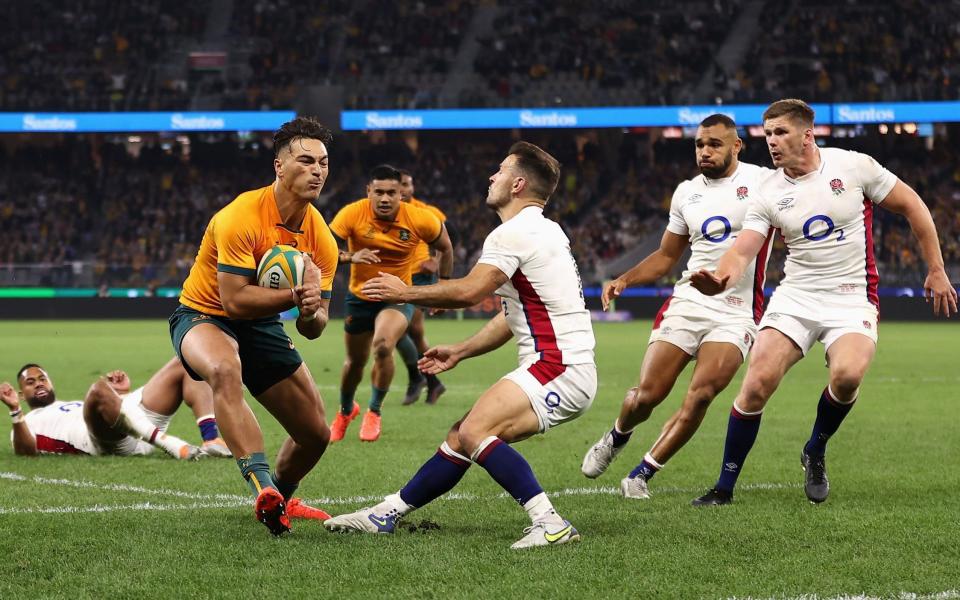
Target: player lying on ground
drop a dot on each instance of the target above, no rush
(705, 214)
(822, 200)
(227, 330)
(111, 419)
(528, 263)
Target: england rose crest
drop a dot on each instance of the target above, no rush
(836, 186)
(742, 192)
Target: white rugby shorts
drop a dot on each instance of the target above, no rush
(557, 393)
(808, 318)
(687, 325)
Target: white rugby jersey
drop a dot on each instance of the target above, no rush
(826, 218)
(711, 212)
(60, 429)
(543, 300)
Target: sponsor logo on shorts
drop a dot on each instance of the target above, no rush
(552, 401)
(773, 316)
(665, 330)
(836, 186)
(848, 288)
(734, 300)
(199, 318)
(747, 340)
(868, 325)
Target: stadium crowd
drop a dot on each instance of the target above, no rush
(137, 216)
(98, 55)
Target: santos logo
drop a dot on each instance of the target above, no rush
(552, 119)
(397, 121)
(34, 123)
(693, 117)
(870, 114)
(179, 121)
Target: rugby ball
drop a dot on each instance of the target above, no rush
(281, 268)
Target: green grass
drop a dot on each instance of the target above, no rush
(890, 525)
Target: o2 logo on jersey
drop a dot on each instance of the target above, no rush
(821, 234)
(70, 406)
(552, 401)
(717, 236)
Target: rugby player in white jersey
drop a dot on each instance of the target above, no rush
(706, 214)
(527, 262)
(822, 200)
(112, 419)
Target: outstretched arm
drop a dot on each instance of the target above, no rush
(731, 266)
(903, 200)
(653, 267)
(482, 281)
(443, 358)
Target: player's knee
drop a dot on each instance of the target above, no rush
(469, 438)
(382, 349)
(226, 374)
(99, 394)
(699, 398)
(844, 381)
(645, 396)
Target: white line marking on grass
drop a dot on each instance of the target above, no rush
(944, 595)
(121, 487)
(220, 501)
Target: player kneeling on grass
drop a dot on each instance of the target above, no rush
(528, 263)
(227, 331)
(111, 419)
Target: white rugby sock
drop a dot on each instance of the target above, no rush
(393, 502)
(135, 423)
(541, 509)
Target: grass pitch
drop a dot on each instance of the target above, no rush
(81, 527)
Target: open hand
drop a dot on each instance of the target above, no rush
(707, 283)
(385, 288)
(438, 359)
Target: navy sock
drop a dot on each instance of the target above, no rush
(741, 434)
(346, 402)
(509, 469)
(435, 478)
(376, 399)
(287, 489)
(208, 428)
(256, 471)
(619, 439)
(645, 470)
(830, 414)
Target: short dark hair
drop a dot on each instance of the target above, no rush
(381, 172)
(301, 127)
(542, 169)
(718, 119)
(797, 110)
(27, 366)
(405, 173)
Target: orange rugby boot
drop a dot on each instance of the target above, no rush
(270, 509)
(370, 428)
(340, 423)
(298, 509)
